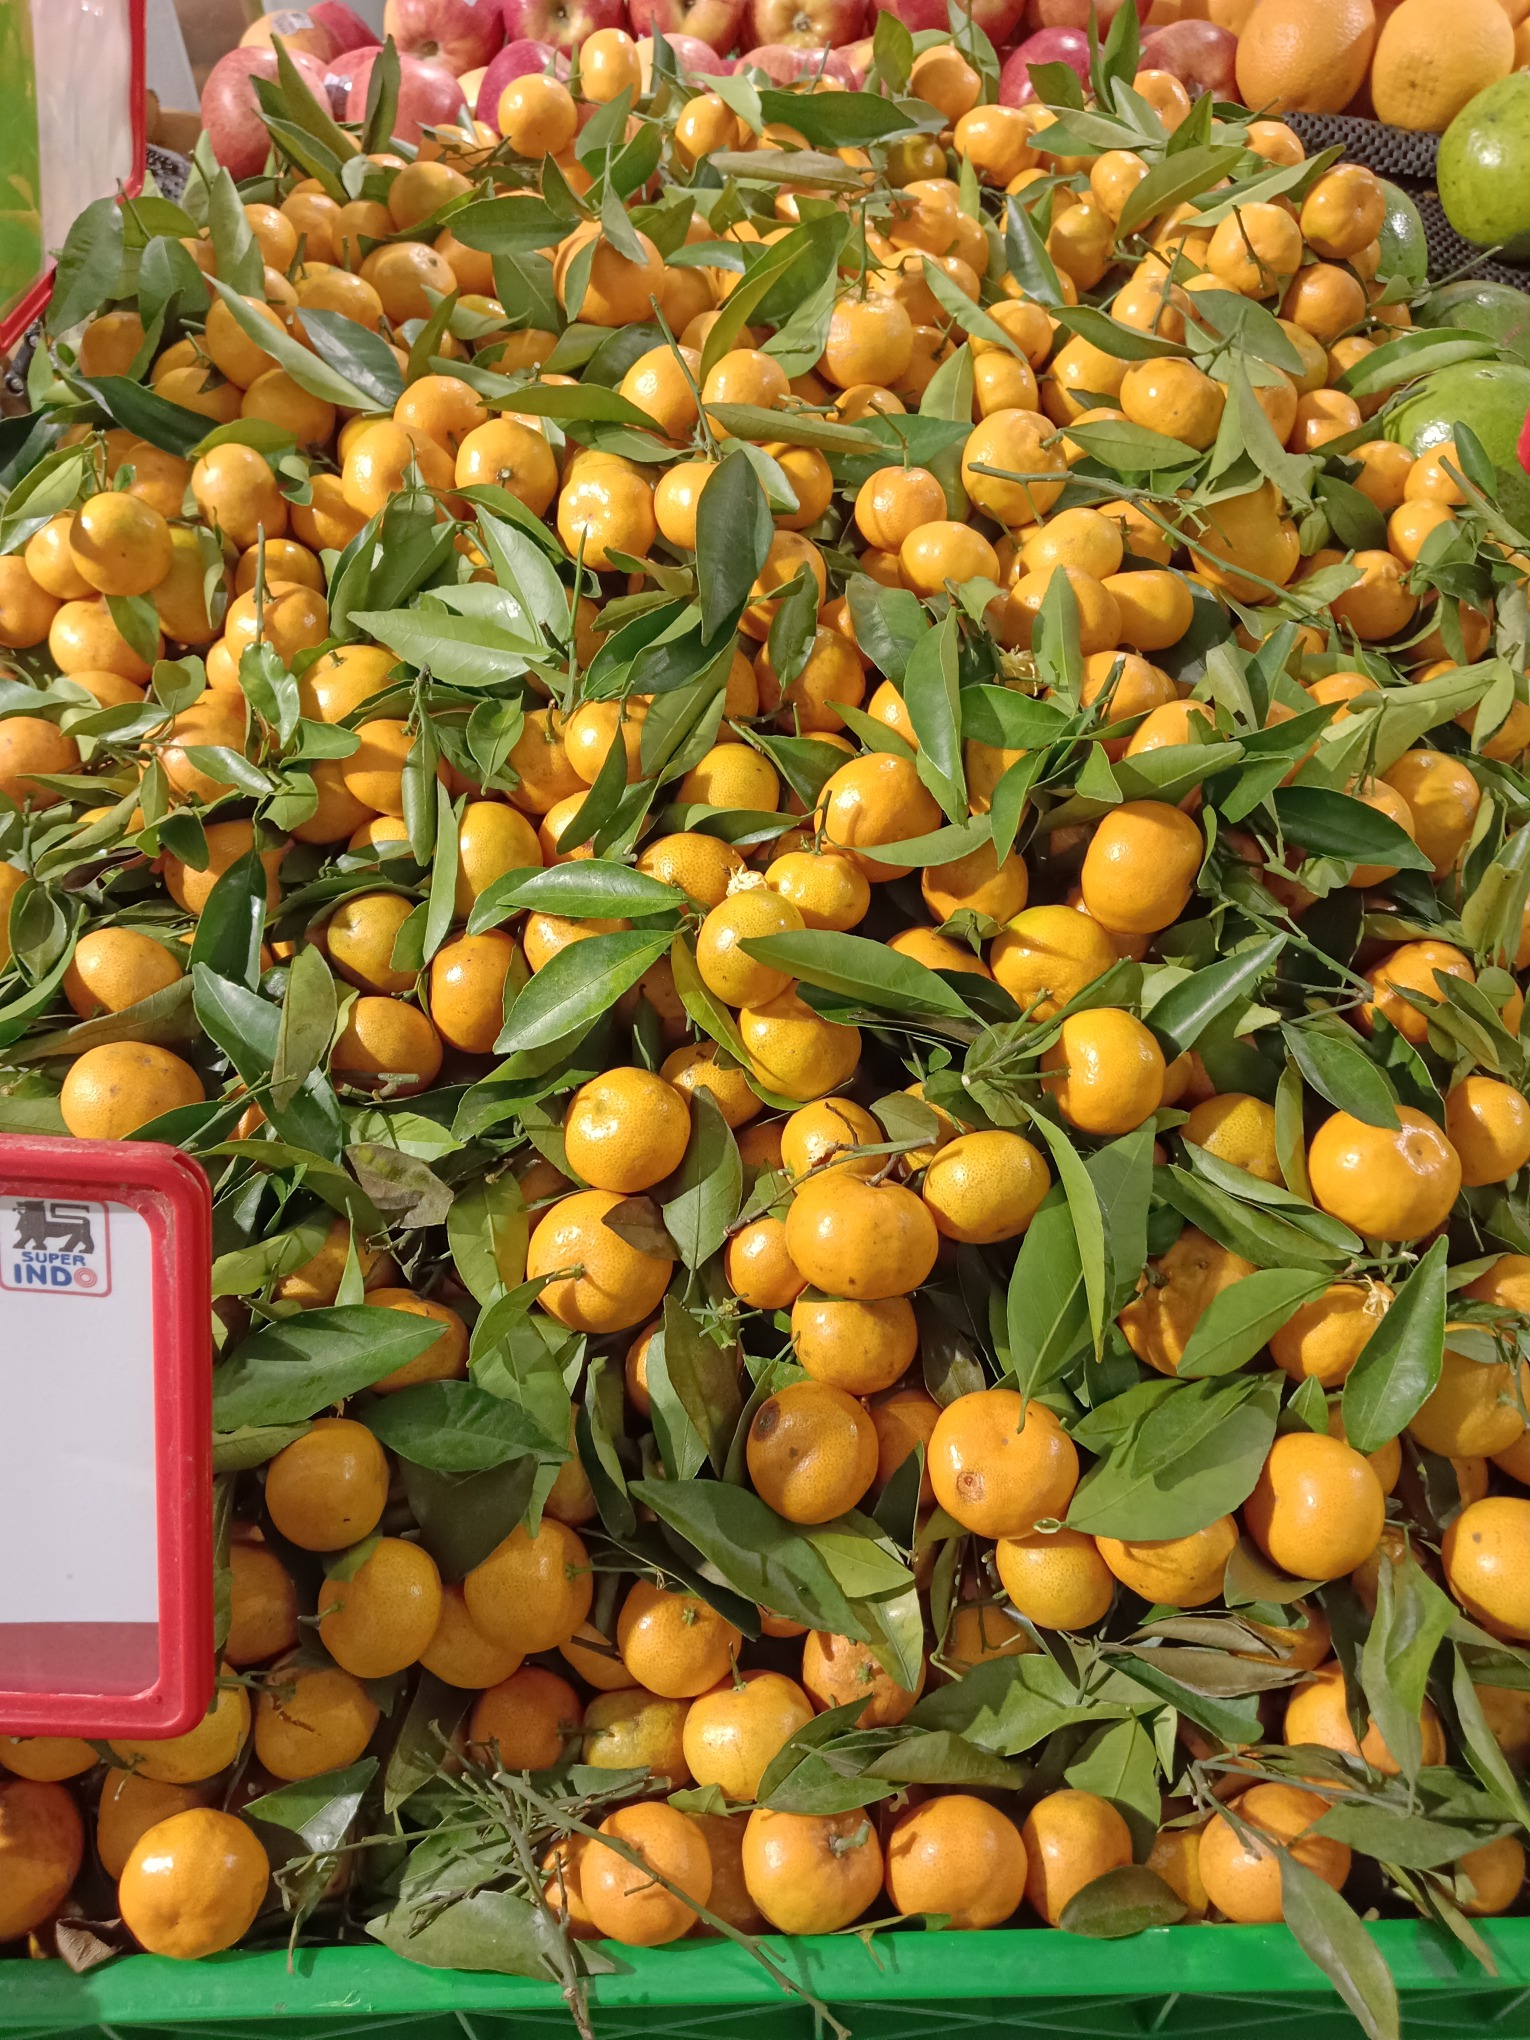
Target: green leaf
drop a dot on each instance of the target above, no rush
(1194, 1457)
(1328, 1932)
(1410, 355)
(741, 303)
(319, 1811)
(1239, 1321)
(1175, 178)
(304, 366)
(362, 357)
(1330, 824)
(1122, 1902)
(150, 415)
(703, 1375)
(889, 623)
(463, 651)
(1119, 1764)
(1412, 1619)
(88, 264)
(1187, 1009)
(858, 968)
(295, 1368)
(1088, 1220)
(456, 1427)
(1336, 1066)
(487, 1230)
(462, 1516)
(1400, 1362)
(236, 252)
(931, 690)
(1027, 260)
(493, 1930)
(576, 986)
(758, 1554)
(1123, 343)
(708, 1185)
(733, 536)
(966, 313)
(308, 1022)
(1131, 449)
(1480, 1746)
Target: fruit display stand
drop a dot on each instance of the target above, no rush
(1169, 1980)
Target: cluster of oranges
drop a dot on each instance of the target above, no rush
(1071, 828)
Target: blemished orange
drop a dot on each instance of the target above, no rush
(310, 1719)
(999, 1465)
(840, 1672)
(811, 1452)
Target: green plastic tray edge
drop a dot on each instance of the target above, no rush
(902, 1968)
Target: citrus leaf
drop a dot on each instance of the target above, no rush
(1400, 1362)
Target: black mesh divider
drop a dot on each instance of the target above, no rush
(1409, 161)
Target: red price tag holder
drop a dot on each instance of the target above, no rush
(106, 1616)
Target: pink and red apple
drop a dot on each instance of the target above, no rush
(997, 19)
(563, 23)
(1200, 55)
(350, 32)
(805, 24)
(784, 66)
(461, 34)
(1068, 46)
(428, 94)
(714, 22)
(231, 112)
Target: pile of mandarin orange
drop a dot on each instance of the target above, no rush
(756, 1215)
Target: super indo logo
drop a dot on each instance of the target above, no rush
(60, 1245)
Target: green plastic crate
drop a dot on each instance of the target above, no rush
(1205, 1981)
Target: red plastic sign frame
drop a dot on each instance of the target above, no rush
(100, 1693)
(34, 301)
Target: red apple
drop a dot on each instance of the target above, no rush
(563, 23)
(461, 34)
(858, 56)
(714, 22)
(1068, 46)
(695, 58)
(298, 31)
(428, 94)
(1200, 55)
(344, 24)
(231, 112)
(806, 24)
(784, 66)
(997, 19)
(515, 60)
(1075, 13)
